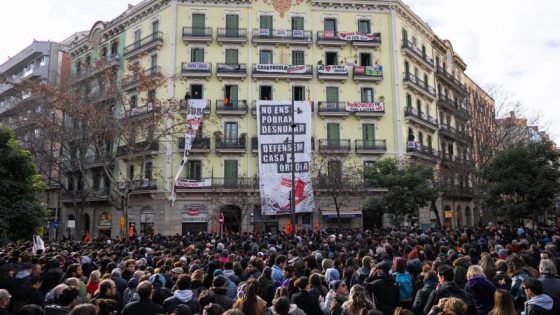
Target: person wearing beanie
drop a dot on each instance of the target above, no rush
(337, 295)
(130, 291)
(332, 274)
(221, 292)
(230, 286)
(160, 291)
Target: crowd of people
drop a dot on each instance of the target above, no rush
(496, 270)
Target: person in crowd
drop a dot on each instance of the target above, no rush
(277, 273)
(249, 302)
(450, 306)
(460, 267)
(66, 302)
(518, 275)
(551, 283)
(84, 309)
(537, 303)
(303, 299)
(5, 298)
(182, 296)
(357, 303)
(382, 286)
(145, 305)
(220, 292)
(430, 282)
(93, 282)
(336, 297)
(266, 287)
(481, 290)
(503, 303)
(448, 288)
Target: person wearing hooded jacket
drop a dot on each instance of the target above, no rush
(480, 289)
(448, 288)
(220, 292)
(461, 265)
(230, 286)
(337, 295)
(430, 284)
(183, 295)
(383, 287)
(538, 303)
(359, 277)
(160, 291)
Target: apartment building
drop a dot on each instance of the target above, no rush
(340, 56)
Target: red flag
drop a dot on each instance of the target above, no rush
(289, 228)
(130, 231)
(317, 226)
(87, 238)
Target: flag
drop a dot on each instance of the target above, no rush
(317, 226)
(38, 244)
(288, 228)
(87, 238)
(131, 231)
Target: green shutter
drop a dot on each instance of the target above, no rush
(333, 131)
(266, 23)
(298, 57)
(230, 172)
(198, 24)
(232, 56)
(232, 25)
(408, 100)
(297, 23)
(233, 95)
(332, 94)
(368, 132)
(418, 107)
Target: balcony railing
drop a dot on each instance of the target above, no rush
(138, 148)
(419, 54)
(197, 31)
(371, 145)
(222, 183)
(198, 143)
(283, 70)
(332, 145)
(451, 79)
(231, 144)
(326, 182)
(100, 65)
(225, 68)
(367, 73)
(235, 34)
(231, 105)
(133, 80)
(422, 85)
(332, 107)
(452, 105)
(281, 35)
(196, 68)
(140, 184)
(412, 112)
(145, 42)
(424, 150)
(139, 112)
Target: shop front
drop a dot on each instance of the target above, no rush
(195, 219)
(104, 225)
(147, 221)
(348, 218)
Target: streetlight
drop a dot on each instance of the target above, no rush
(293, 168)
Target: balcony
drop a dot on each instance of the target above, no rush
(368, 73)
(133, 81)
(361, 39)
(277, 37)
(452, 133)
(98, 159)
(197, 35)
(282, 71)
(196, 69)
(101, 96)
(422, 119)
(412, 51)
(457, 191)
(443, 75)
(423, 152)
(371, 146)
(216, 183)
(233, 108)
(144, 46)
(199, 145)
(366, 109)
(453, 106)
(235, 145)
(231, 71)
(18, 102)
(332, 109)
(334, 146)
(92, 70)
(138, 185)
(449, 159)
(332, 72)
(330, 38)
(138, 113)
(232, 36)
(139, 149)
(183, 107)
(411, 81)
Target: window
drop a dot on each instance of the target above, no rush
(133, 101)
(196, 91)
(368, 165)
(332, 94)
(298, 57)
(408, 100)
(365, 59)
(430, 142)
(419, 107)
(450, 149)
(88, 61)
(333, 132)
(364, 26)
(96, 179)
(155, 29)
(405, 36)
(198, 24)
(298, 93)
(424, 51)
(194, 169)
(421, 138)
(334, 168)
(151, 96)
(114, 48)
(232, 56)
(297, 23)
(306, 219)
(266, 24)
(231, 95)
(406, 68)
(197, 54)
(265, 57)
(230, 173)
(232, 25)
(137, 38)
(367, 95)
(231, 129)
(131, 172)
(148, 172)
(414, 41)
(153, 62)
(330, 28)
(265, 92)
(368, 133)
(331, 58)
(426, 81)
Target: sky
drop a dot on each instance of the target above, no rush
(514, 44)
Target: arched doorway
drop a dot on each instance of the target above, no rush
(468, 216)
(448, 216)
(232, 218)
(459, 217)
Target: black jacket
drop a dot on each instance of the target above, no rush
(142, 307)
(222, 298)
(306, 302)
(422, 298)
(56, 310)
(551, 285)
(385, 291)
(170, 304)
(450, 289)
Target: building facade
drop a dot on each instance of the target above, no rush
(338, 55)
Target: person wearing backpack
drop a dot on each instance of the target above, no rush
(404, 281)
(383, 289)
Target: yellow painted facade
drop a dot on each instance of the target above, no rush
(170, 34)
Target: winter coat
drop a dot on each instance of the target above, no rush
(359, 276)
(306, 302)
(336, 305)
(266, 290)
(516, 291)
(482, 292)
(261, 305)
(294, 310)
(222, 297)
(56, 310)
(51, 279)
(385, 291)
(450, 289)
(422, 297)
(142, 307)
(461, 265)
(179, 297)
(539, 305)
(230, 274)
(551, 285)
(277, 275)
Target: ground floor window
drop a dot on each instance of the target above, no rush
(194, 228)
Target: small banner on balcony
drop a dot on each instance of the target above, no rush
(365, 107)
(195, 111)
(196, 66)
(334, 69)
(274, 125)
(359, 36)
(369, 71)
(183, 183)
(278, 68)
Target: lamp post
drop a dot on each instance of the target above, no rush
(293, 190)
